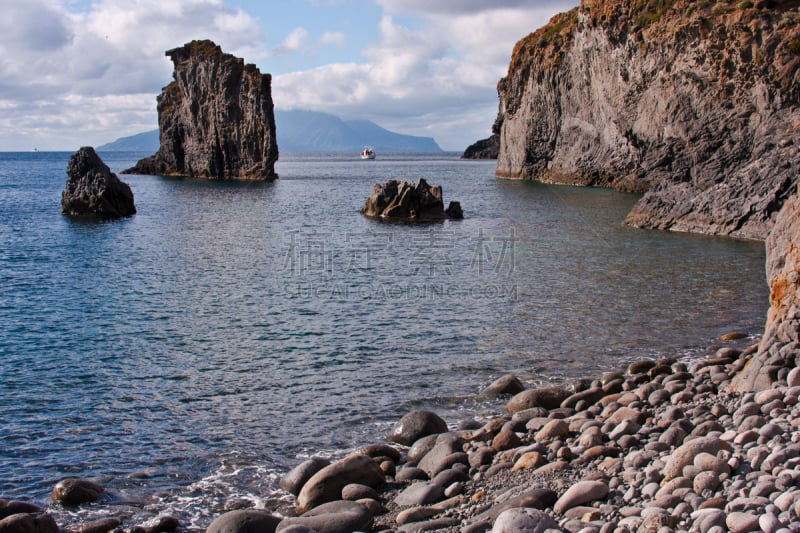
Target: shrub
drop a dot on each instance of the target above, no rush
(720, 8)
(790, 18)
(747, 4)
(794, 46)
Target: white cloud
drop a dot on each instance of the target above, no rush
(293, 42)
(460, 7)
(71, 78)
(68, 79)
(331, 38)
(437, 81)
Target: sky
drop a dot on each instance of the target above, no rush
(77, 72)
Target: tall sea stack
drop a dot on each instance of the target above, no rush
(696, 104)
(215, 119)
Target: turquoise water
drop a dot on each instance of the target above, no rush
(188, 355)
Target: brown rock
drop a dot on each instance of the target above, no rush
(75, 491)
(506, 440)
(547, 397)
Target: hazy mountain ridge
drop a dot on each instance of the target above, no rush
(310, 131)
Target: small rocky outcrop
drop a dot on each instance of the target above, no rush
(93, 190)
(779, 349)
(402, 200)
(484, 149)
(694, 104)
(215, 119)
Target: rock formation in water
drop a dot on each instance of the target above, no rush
(779, 349)
(696, 104)
(484, 149)
(215, 119)
(93, 190)
(402, 200)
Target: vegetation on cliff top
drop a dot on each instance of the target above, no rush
(765, 33)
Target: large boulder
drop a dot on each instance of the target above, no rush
(327, 484)
(299, 475)
(215, 119)
(415, 425)
(780, 346)
(76, 491)
(402, 200)
(28, 523)
(93, 190)
(333, 517)
(546, 397)
(244, 521)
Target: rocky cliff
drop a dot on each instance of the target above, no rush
(215, 119)
(695, 104)
(779, 349)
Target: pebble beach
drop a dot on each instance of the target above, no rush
(660, 446)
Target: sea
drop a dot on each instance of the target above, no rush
(188, 356)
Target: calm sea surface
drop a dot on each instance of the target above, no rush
(187, 356)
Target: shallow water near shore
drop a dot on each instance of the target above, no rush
(187, 356)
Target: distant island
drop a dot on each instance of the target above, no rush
(308, 131)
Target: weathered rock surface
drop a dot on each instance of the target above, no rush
(215, 119)
(695, 104)
(402, 200)
(93, 190)
(780, 346)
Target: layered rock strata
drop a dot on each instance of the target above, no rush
(403, 200)
(695, 105)
(92, 190)
(215, 119)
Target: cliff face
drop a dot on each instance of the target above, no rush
(215, 119)
(779, 349)
(695, 104)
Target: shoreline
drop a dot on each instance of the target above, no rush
(612, 441)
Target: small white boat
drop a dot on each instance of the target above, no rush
(367, 153)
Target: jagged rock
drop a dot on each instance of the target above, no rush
(93, 190)
(215, 119)
(694, 106)
(402, 200)
(780, 344)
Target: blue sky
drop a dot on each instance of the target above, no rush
(82, 72)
